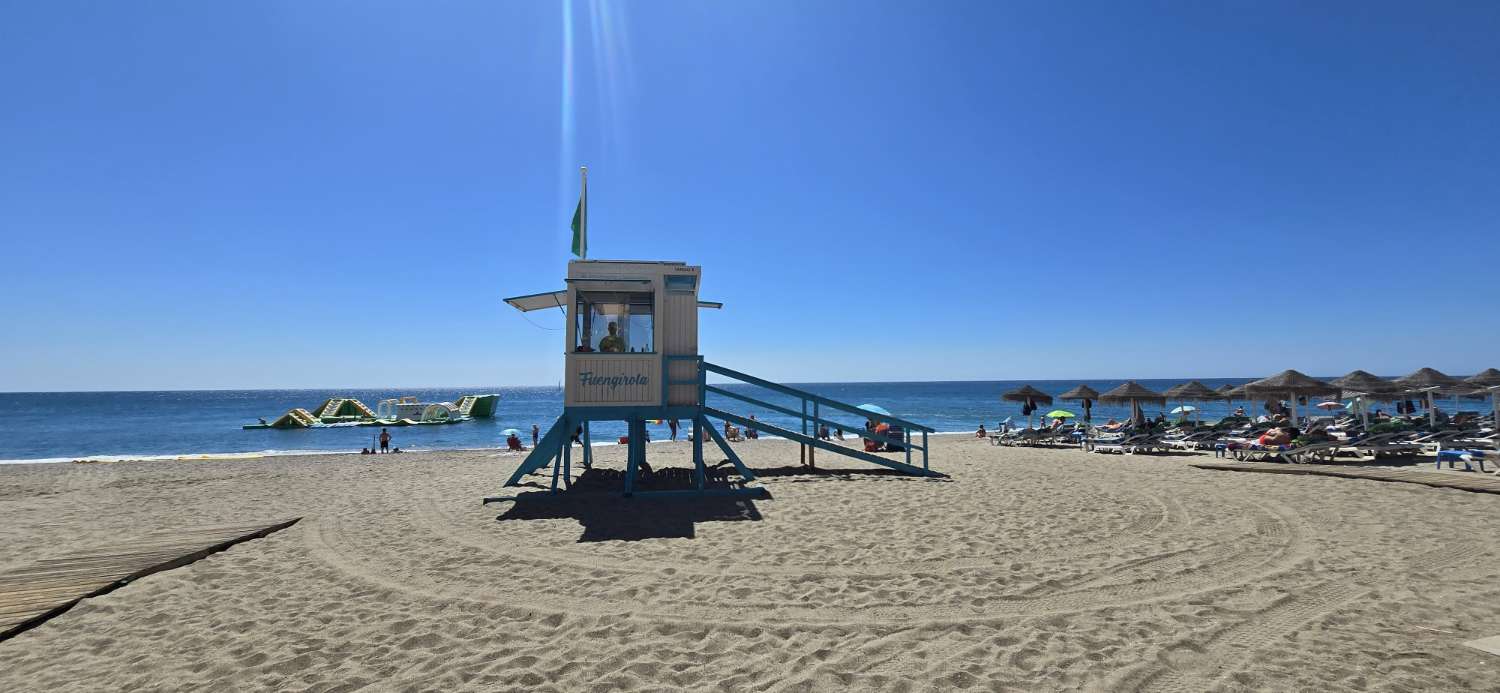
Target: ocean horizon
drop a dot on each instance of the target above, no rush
(62, 426)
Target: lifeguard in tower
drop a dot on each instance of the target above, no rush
(632, 356)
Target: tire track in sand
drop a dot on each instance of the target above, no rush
(409, 575)
(1190, 667)
(1166, 515)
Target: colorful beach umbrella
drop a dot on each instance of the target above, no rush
(1184, 409)
(1060, 414)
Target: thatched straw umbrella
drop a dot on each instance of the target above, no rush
(1367, 386)
(1361, 381)
(1488, 382)
(1193, 391)
(1486, 378)
(1430, 381)
(1028, 395)
(1293, 385)
(1085, 394)
(1233, 393)
(1230, 393)
(1134, 393)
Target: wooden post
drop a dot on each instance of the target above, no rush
(802, 447)
(556, 469)
(698, 449)
(567, 455)
(812, 452)
(588, 447)
(630, 457)
(924, 451)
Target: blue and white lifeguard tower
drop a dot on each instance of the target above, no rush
(632, 356)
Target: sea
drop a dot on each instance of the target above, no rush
(65, 426)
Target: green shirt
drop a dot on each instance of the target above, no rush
(612, 344)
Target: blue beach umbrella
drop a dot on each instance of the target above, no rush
(511, 432)
(874, 409)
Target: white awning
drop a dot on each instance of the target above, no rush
(551, 299)
(557, 299)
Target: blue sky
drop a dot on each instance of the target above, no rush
(320, 194)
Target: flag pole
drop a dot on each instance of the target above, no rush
(583, 173)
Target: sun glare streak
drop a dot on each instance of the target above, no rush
(616, 52)
(567, 125)
(604, 107)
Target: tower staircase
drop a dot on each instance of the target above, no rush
(555, 447)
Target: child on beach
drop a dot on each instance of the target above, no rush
(385, 440)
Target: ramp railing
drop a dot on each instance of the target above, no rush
(810, 416)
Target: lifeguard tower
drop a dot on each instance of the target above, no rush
(632, 356)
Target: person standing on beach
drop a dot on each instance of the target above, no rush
(385, 440)
(535, 431)
(672, 424)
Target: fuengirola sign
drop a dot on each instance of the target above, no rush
(588, 379)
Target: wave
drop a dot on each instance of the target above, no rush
(186, 456)
(208, 456)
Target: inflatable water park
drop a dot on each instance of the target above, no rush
(397, 411)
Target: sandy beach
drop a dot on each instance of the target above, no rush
(1027, 569)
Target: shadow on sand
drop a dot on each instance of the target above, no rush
(595, 501)
(804, 473)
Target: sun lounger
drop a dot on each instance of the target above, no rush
(1381, 445)
(1025, 436)
(1199, 440)
(1060, 436)
(1255, 452)
(1488, 441)
(1140, 442)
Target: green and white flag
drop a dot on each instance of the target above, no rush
(581, 219)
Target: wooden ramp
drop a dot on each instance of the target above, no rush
(35, 593)
(1477, 482)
